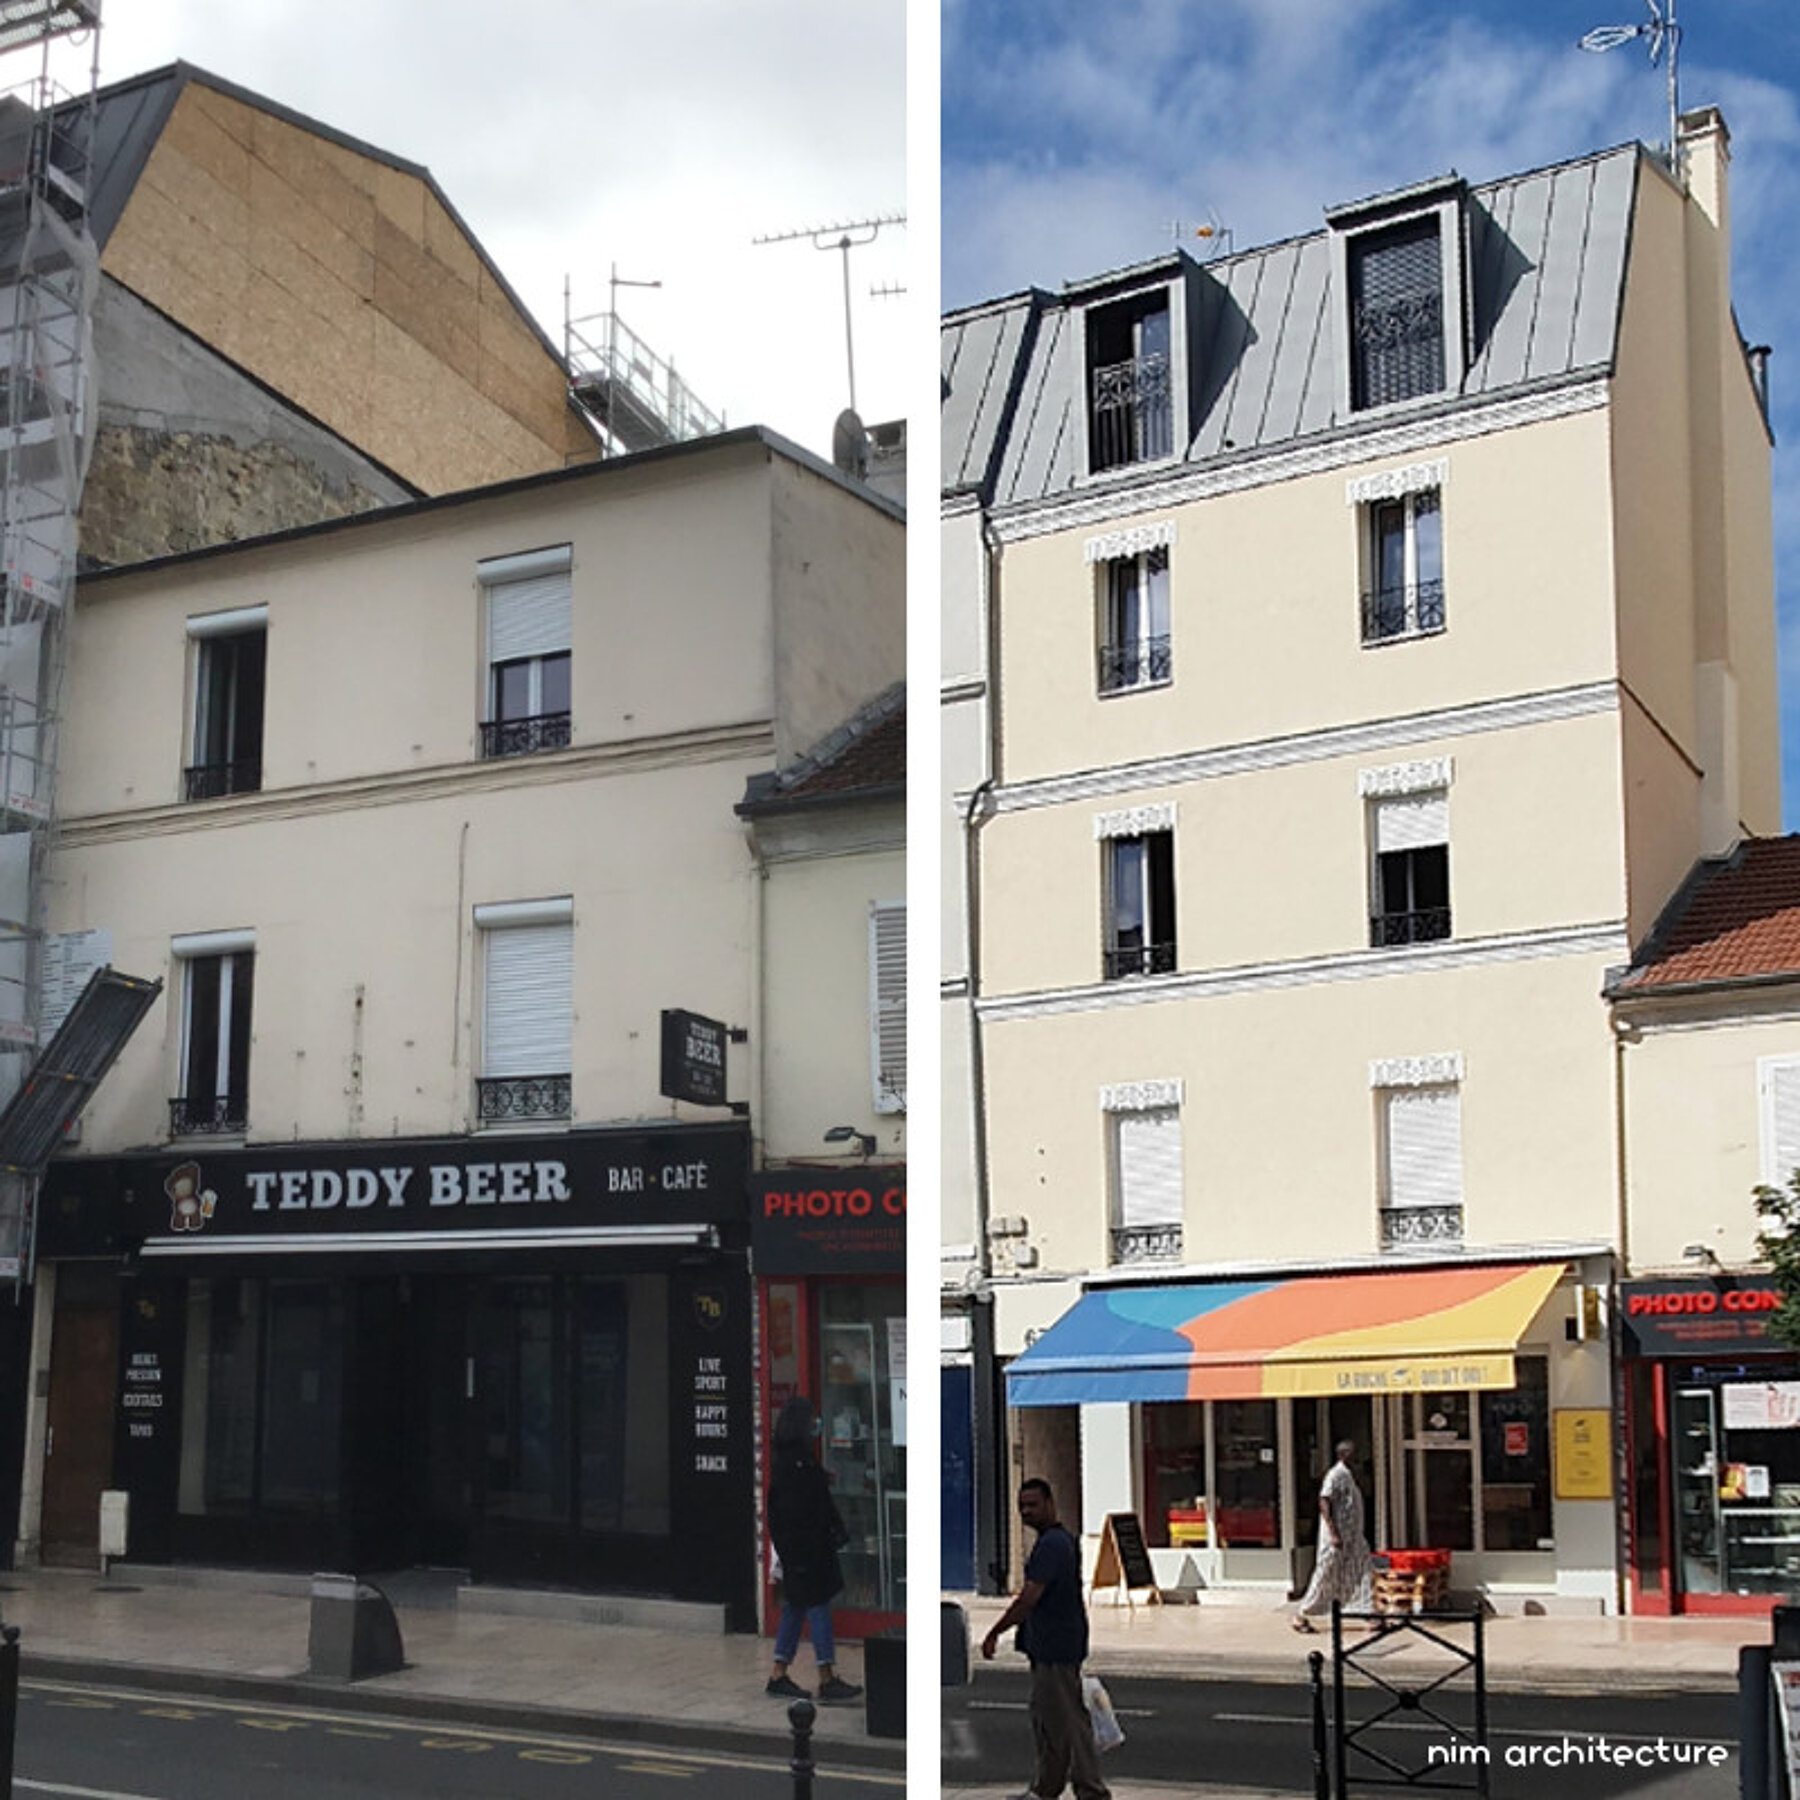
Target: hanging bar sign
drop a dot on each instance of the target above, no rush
(693, 1058)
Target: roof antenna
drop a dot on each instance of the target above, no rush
(1662, 32)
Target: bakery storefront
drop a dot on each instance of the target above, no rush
(830, 1254)
(1712, 1412)
(528, 1357)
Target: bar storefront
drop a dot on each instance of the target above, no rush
(528, 1357)
(830, 1254)
(1713, 1446)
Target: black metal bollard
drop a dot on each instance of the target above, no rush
(1755, 1776)
(1315, 1662)
(9, 1705)
(800, 1715)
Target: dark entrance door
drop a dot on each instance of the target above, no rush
(84, 1372)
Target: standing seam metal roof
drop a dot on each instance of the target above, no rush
(1545, 274)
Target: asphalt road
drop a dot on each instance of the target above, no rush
(1257, 1735)
(98, 1743)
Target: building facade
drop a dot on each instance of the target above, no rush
(383, 1243)
(1379, 626)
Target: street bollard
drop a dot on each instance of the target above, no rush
(800, 1716)
(1754, 1723)
(1315, 1661)
(9, 1705)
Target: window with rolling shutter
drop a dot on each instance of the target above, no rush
(1422, 1186)
(887, 1004)
(1778, 1082)
(1147, 1195)
(1410, 836)
(1396, 314)
(527, 1013)
(529, 604)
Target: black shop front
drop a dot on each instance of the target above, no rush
(526, 1357)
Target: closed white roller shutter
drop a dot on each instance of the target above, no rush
(1424, 1147)
(887, 1005)
(1412, 822)
(529, 617)
(526, 1013)
(1149, 1166)
(1781, 1118)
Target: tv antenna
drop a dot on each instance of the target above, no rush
(845, 237)
(1661, 33)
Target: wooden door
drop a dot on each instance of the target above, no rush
(84, 1373)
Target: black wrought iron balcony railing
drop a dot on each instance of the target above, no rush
(1403, 1226)
(1132, 418)
(207, 1117)
(500, 1099)
(1121, 961)
(1426, 926)
(1146, 1243)
(1136, 665)
(211, 781)
(522, 737)
(1403, 611)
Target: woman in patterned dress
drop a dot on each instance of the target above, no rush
(1345, 1570)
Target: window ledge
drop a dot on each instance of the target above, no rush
(1404, 637)
(1133, 687)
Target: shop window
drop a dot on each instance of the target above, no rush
(1515, 1461)
(528, 604)
(217, 968)
(862, 1412)
(887, 1004)
(527, 1011)
(1134, 622)
(1247, 1474)
(1174, 1471)
(230, 663)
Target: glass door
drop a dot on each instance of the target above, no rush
(1695, 1445)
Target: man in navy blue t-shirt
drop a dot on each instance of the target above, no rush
(1053, 1633)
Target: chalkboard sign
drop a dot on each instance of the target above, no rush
(1124, 1560)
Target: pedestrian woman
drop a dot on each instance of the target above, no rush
(1345, 1571)
(807, 1532)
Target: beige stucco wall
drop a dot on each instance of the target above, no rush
(1693, 1122)
(1265, 607)
(1278, 1119)
(344, 283)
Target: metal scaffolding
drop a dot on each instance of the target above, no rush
(635, 397)
(49, 272)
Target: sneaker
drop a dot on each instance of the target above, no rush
(780, 1687)
(835, 1692)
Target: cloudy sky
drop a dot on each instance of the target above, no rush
(1075, 136)
(660, 135)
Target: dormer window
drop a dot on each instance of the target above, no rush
(1396, 314)
(1131, 401)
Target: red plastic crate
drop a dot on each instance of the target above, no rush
(1413, 1562)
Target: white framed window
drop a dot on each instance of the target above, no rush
(1143, 1122)
(230, 677)
(527, 1010)
(1403, 595)
(216, 970)
(1778, 1107)
(1419, 1130)
(529, 602)
(1133, 603)
(1409, 868)
(887, 1004)
(1131, 412)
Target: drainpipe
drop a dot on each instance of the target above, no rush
(1624, 1033)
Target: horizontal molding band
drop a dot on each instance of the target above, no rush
(1554, 706)
(551, 768)
(288, 1243)
(1606, 939)
(1182, 484)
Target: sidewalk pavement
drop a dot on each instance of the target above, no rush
(245, 1636)
(1253, 1641)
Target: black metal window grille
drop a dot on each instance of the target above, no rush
(528, 706)
(502, 1098)
(522, 737)
(205, 1117)
(1412, 896)
(1412, 610)
(1396, 314)
(1130, 394)
(1140, 876)
(1146, 1243)
(1134, 622)
(1406, 1227)
(212, 781)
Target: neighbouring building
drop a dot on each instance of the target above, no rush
(828, 1203)
(1360, 639)
(384, 1242)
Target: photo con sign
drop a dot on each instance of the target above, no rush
(829, 1221)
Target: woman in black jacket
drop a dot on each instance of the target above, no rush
(807, 1533)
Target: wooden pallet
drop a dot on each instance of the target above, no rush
(1427, 1591)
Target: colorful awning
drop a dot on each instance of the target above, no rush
(1384, 1332)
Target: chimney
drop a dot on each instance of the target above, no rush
(1705, 158)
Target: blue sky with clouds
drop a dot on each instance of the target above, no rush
(1075, 136)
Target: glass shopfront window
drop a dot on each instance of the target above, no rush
(1515, 1461)
(1174, 1472)
(862, 1408)
(1248, 1474)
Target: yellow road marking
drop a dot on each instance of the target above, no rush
(474, 1745)
(647, 1768)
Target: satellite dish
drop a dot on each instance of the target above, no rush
(850, 444)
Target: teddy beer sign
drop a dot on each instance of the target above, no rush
(693, 1176)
